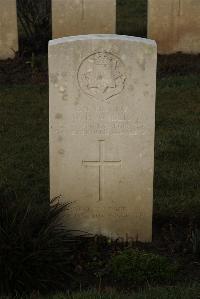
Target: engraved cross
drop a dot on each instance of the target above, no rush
(101, 163)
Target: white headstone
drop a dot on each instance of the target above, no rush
(102, 119)
(75, 17)
(175, 25)
(8, 29)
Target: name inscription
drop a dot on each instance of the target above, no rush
(101, 121)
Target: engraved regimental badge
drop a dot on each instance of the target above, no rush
(102, 75)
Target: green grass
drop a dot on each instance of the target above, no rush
(177, 165)
(178, 292)
(24, 144)
(24, 140)
(191, 292)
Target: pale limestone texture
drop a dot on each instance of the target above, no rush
(175, 25)
(75, 17)
(8, 29)
(102, 118)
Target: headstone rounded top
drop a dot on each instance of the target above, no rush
(102, 37)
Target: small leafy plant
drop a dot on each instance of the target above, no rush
(35, 249)
(134, 268)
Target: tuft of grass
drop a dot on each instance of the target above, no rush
(179, 292)
(35, 248)
(132, 268)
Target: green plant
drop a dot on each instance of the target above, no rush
(133, 268)
(178, 292)
(35, 248)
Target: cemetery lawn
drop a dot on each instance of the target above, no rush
(24, 140)
(24, 166)
(177, 148)
(24, 144)
(179, 292)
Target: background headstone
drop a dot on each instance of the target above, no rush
(175, 25)
(8, 29)
(102, 118)
(75, 17)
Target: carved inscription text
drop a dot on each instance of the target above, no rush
(115, 120)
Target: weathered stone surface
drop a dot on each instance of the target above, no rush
(75, 17)
(102, 117)
(175, 25)
(8, 29)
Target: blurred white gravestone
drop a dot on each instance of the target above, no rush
(102, 122)
(75, 17)
(8, 29)
(175, 25)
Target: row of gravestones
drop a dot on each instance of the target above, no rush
(174, 24)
